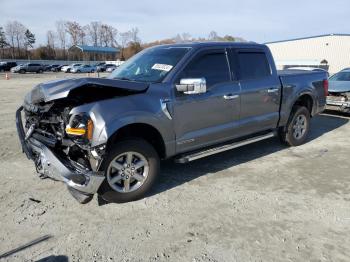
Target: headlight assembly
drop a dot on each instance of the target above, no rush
(80, 128)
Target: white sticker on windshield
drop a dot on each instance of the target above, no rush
(162, 67)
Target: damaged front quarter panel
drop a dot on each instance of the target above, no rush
(49, 109)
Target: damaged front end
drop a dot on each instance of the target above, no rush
(339, 101)
(60, 142)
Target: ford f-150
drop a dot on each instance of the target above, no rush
(179, 101)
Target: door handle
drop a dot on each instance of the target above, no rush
(230, 96)
(272, 90)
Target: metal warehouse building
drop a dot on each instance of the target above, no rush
(330, 51)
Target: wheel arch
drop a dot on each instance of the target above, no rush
(306, 100)
(140, 130)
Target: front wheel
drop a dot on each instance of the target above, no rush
(131, 168)
(298, 127)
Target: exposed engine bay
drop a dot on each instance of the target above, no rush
(68, 135)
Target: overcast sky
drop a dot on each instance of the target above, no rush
(254, 20)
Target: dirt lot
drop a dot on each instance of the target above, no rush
(263, 202)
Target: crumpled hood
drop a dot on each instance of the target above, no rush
(339, 86)
(58, 89)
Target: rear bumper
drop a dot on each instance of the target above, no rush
(84, 182)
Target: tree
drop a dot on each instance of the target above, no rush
(213, 36)
(134, 35)
(125, 38)
(28, 41)
(15, 34)
(75, 31)
(51, 37)
(62, 36)
(184, 37)
(93, 30)
(229, 38)
(3, 41)
(108, 35)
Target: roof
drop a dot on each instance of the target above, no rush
(302, 38)
(210, 44)
(95, 49)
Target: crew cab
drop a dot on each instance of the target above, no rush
(180, 101)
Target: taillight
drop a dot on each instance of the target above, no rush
(325, 86)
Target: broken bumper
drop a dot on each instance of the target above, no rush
(81, 183)
(343, 106)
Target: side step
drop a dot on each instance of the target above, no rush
(211, 151)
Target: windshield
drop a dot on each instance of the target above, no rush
(342, 76)
(150, 65)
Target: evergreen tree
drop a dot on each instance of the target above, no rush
(29, 40)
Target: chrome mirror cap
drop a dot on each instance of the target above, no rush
(191, 86)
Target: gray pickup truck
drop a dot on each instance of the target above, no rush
(180, 101)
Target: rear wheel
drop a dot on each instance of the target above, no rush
(298, 127)
(131, 168)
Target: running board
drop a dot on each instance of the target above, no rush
(208, 152)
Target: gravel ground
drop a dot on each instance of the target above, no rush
(262, 202)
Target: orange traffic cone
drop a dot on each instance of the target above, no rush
(7, 77)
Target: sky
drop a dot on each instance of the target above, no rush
(253, 20)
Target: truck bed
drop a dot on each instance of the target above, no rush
(297, 82)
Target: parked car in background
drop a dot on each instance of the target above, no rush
(49, 67)
(101, 67)
(68, 68)
(339, 91)
(110, 67)
(83, 69)
(57, 68)
(6, 66)
(180, 101)
(29, 67)
(306, 68)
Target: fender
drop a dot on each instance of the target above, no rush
(140, 117)
(287, 104)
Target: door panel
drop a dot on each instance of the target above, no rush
(260, 92)
(204, 119)
(208, 118)
(260, 101)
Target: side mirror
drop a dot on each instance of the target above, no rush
(191, 86)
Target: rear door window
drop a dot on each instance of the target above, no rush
(253, 65)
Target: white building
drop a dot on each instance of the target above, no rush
(327, 51)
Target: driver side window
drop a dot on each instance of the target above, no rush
(210, 65)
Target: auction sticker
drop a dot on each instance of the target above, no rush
(162, 67)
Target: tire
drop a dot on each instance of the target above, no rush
(140, 179)
(78, 71)
(41, 71)
(298, 127)
(22, 71)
